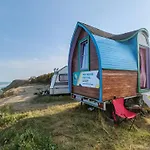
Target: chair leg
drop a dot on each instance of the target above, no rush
(114, 118)
(132, 124)
(122, 120)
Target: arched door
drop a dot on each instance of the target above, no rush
(144, 61)
(143, 69)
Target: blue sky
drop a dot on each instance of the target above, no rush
(35, 34)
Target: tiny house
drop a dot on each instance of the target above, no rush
(59, 82)
(102, 65)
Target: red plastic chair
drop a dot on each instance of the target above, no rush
(122, 112)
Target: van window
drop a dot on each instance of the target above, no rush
(63, 77)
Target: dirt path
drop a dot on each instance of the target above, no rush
(22, 95)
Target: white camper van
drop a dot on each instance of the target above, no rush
(59, 82)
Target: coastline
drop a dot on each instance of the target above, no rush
(4, 84)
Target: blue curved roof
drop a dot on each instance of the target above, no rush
(117, 52)
(117, 55)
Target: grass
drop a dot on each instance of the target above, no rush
(67, 126)
(50, 99)
(18, 131)
(7, 94)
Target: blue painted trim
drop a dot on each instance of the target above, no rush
(99, 59)
(69, 63)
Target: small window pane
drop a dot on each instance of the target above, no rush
(63, 77)
(84, 55)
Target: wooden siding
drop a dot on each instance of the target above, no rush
(83, 34)
(85, 91)
(119, 84)
(115, 83)
(93, 55)
(89, 92)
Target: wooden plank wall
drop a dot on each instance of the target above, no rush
(85, 91)
(119, 83)
(89, 92)
(115, 83)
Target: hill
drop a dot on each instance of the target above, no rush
(15, 84)
(42, 79)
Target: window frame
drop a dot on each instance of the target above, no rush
(63, 80)
(79, 53)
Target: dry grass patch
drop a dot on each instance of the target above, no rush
(66, 125)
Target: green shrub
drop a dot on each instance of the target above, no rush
(45, 79)
(25, 139)
(19, 132)
(7, 117)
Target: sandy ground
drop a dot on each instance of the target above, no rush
(22, 96)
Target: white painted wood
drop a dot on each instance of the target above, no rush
(143, 39)
(59, 89)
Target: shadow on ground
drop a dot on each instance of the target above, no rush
(39, 103)
(72, 126)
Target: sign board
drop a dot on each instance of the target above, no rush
(86, 79)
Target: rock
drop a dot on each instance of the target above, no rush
(1, 92)
(15, 84)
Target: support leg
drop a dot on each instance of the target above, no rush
(132, 123)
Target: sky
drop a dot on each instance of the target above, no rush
(35, 34)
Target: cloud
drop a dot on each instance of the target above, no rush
(24, 68)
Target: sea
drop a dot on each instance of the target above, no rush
(4, 84)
